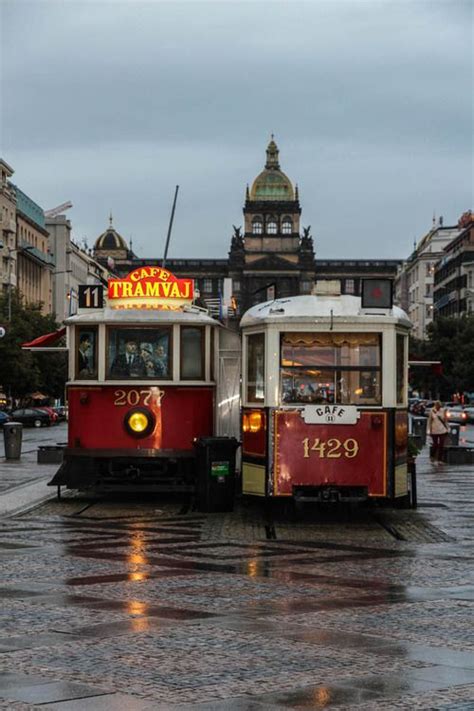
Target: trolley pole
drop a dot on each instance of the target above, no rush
(170, 227)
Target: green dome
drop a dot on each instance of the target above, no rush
(272, 183)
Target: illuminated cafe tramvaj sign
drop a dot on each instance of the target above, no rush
(150, 288)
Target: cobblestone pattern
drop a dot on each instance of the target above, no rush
(166, 608)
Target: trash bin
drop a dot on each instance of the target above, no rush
(418, 428)
(454, 434)
(215, 460)
(12, 435)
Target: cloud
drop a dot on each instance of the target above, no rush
(112, 104)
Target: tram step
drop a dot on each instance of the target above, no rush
(50, 454)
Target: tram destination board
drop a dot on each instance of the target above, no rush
(91, 296)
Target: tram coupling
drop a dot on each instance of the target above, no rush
(329, 494)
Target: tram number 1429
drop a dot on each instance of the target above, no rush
(330, 449)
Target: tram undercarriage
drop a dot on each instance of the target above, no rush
(115, 470)
(330, 494)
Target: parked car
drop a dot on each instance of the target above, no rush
(31, 417)
(455, 413)
(50, 410)
(469, 410)
(4, 418)
(422, 407)
(61, 412)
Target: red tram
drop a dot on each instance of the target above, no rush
(325, 400)
(148, 374)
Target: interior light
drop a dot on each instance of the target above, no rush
(245, 423)
(255, 421)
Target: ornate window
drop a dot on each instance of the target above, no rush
(257, 226)
(343, 368)
(272, 227)
(287, 226)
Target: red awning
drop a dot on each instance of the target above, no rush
(47, 340)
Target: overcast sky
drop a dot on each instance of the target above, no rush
(111, 104)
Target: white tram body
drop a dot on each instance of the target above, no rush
(324, 397)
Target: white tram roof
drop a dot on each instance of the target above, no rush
(140, 316)
(321, 308)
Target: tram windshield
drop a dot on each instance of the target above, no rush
(343, 368)
(139, 353)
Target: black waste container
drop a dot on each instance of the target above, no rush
(454, 430)
(12, 436)
(418, 428)
(215, 461)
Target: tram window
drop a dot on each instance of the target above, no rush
(139, 353)
(401, 369)
(308, 385)
(192, 357)
(331, 367)
(358, 387)
(86, 354)
(256, 367)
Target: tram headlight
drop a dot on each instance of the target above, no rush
(245, 423)
(139, 422)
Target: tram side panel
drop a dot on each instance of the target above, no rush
(285, 456)
(103, 450)
(98, 416)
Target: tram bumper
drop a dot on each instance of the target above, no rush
(330, 494)
(125, 469)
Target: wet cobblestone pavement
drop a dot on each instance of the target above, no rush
(137, 605)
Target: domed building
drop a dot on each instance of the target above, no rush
(272, 184)
(110, 245)
(268, 257)
(272, 256)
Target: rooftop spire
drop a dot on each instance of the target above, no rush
(272, 155)
(110, 219)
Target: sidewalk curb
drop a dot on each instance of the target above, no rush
(26, 496)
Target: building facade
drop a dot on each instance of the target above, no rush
(270, 256)
(73, 266)
(414, 285)
(454, 273)
(8, 253)
(34, 262)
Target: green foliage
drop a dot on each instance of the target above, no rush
(412, 448)
(450, 340)
(22, 372)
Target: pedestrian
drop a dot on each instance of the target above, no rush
(438, 430)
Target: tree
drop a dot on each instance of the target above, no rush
(22, 372)
(450, 340)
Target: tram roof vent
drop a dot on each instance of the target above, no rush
(193, 309)
(327, 287)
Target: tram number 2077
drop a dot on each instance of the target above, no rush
(147, 397)
(330, 449)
